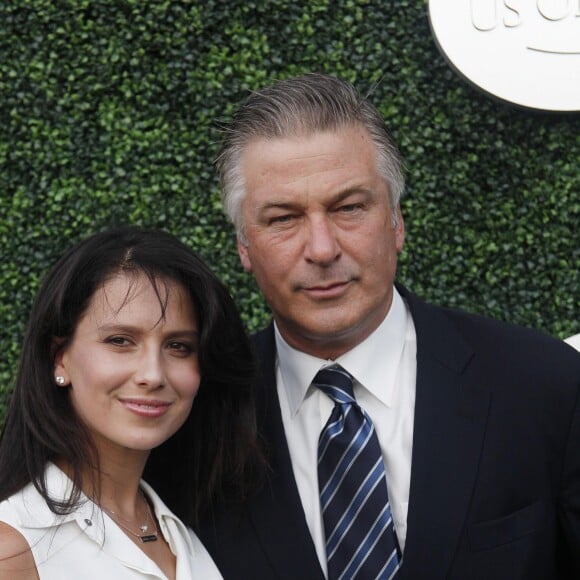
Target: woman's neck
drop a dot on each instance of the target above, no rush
(114, 484)
(119, 486)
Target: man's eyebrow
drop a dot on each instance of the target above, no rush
(342, 195)
(337, 198)
(278, 205)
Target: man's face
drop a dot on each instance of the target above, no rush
(320, 237)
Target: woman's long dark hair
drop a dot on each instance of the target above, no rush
(215, 452)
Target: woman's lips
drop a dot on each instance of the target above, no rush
(146, 407)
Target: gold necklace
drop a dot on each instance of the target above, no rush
(144, 537)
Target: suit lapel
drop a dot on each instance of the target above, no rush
(277, 513)
(450, 417)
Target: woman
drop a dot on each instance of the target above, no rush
(127, 330)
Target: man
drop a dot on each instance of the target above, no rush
(477, 422)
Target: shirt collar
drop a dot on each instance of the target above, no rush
(33, 511)
(165, 515)
(373, 362)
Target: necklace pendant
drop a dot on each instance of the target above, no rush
(148, 538)
(144, 528)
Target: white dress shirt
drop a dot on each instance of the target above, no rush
(384, 367)
(88, 544)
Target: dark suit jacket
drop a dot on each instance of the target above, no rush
(495, 473)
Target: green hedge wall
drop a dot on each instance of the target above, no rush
(108, 115)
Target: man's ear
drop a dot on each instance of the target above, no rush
(399, 230)
(244, 254)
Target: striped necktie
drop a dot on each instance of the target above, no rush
(360, 536)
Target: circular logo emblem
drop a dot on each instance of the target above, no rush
(523, 51)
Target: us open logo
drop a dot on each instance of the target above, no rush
(526, 52)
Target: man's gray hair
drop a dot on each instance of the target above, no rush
(297, 107)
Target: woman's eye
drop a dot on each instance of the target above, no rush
(181, 347)
(117, 340)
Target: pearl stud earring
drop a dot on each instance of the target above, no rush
(60, 380)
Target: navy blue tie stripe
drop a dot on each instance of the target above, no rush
(360, 537)
(349, 516)
(345, 462)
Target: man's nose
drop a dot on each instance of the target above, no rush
(322, 245)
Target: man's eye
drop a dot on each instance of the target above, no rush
(350, 207)
(282, 219)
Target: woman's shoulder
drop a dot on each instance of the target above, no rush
(16, 560)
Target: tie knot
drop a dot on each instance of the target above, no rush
(335, 382)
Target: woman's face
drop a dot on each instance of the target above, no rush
(132, 374)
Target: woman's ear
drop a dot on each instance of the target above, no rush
(60, 375)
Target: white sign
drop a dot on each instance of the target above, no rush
(523, 51)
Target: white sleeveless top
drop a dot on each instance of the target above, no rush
(88, 544)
